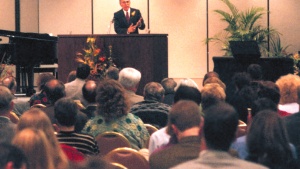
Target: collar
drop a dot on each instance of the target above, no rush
(5, 118)
(289, 107)
(126, 11)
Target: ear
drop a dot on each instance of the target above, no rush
(9, 165)
(56, 128)
(175, 129)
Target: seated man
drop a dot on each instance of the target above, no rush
(65, 112)
(169, 85)
(184, 122)
(89, 94)
(12, 157)
(152, 110)
(220, 125)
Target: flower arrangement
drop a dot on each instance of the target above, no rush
(296, 57)
(93, 57)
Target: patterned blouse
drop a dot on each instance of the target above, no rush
(129, 125)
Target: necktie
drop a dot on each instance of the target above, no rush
(127, 16)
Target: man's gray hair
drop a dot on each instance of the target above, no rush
(129, 77)
(5, 98)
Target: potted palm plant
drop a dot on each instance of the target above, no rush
(242, 26)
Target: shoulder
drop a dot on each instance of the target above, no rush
(118, 12)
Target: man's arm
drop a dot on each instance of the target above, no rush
(119, 27)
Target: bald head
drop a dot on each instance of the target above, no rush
(10, 83)
(89, 91)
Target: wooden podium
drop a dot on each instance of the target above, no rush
(147, 53)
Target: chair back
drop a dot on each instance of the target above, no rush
(151, 129)
(109, 141)
(128, 157)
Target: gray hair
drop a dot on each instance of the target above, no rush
(129, 77)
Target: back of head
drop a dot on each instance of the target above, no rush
(209, 75)
(65, 112)
(255, 71)
(83, 71)
(184, 114)
(220, 124)
(188, 82)
(287, 85)
(187, 93)
(241, 79)
(129, 77)
(89, 91)
(43, 78)
(36, 146)
(111, 99)
(10, 83)
(169, 85)
(269, 89)
(153, 91)
(267, 140)
(263, 104)
(6, 98)
(214, 80)
(54, 90)
(212, 94)
(11, 153)
(112, 73)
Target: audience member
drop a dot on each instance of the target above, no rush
(89, 94)
(169, 85)
(255, 72)
(268, 143)
(184, 121)
(238, 81)
(130, 79)
(187, 82)
(113, 115)
(270, 90)
(214, 80)
(7, 127)
(41, 97)
(211, 94)
(209, 75)
(12, 157)
(259, 105)
(287, 85)
(112, 73)
(74, 88)
(19, 105)
(152, 110)
(160, 139)
(36, 147)
(95, 162)
(36, 118)
(71, 76)
(65, 112)
(292, 123)
(220, 125)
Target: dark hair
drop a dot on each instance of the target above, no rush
(241, 79)
(111, 100)
(169, 85)
(11, 153)
(65, 112)
(255, 71)
(43, 78)
(267, 141)
(112, 73)
(154, 91)
(89, 91)
(184, 114)
(269, 90)
(83, 71)
(220, 124)
(262, 104)
(54, 90)
(187, 93)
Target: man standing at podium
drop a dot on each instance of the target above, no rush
(128, 20)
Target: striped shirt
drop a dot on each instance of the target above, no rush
(84, 143)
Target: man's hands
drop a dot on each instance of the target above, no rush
(133, 27)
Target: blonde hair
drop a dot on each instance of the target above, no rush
(288, 88)
(36, 147)
(36, 118)
(211, 94)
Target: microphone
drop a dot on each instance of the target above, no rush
(109, 26)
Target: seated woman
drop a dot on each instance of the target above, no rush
(112, 115)
(268, 143)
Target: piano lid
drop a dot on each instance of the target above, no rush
(28, 35)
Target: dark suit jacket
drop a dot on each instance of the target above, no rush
(121, 25)
(292, 125)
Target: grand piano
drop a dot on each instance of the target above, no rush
(28, 50)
